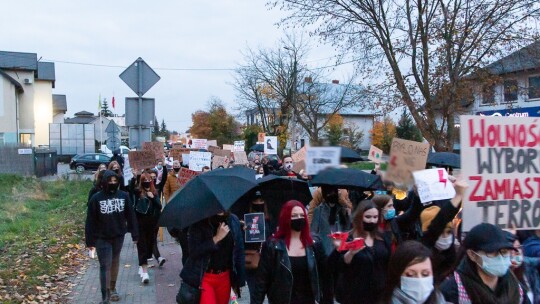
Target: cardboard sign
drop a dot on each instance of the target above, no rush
(500, 161)
(176, 153)
(140, 160)
(320, 158)
(240, 158)
(185, 175)
(255, 227)
(198, 143)
(213, 148)
(270, 145)
(226, 153)
(220, 161)
(406, 157)
(156, 147)
(212, 142)
(185, 159)
(433, 185)
(375, 154)
(239, 145)
(197, 160)
(178, 145)
(260, 137)
(228, 147)
(298, 166)
(299, 155)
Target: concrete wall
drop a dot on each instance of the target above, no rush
(13, 162)
(43, 112)
(8, 121)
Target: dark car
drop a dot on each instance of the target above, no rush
(88, 161)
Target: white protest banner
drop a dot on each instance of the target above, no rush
(319, 158)
(228, 147)
(185, 159)
(198, 143)
(212, 142)
(406, 156)
(128, 172)
(375, 154)
(197, 160)
(270, 145)
(240, 158)
(433, 185)
(500, 159)
(239, 145)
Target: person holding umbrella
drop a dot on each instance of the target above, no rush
(292, 268)
(216, 259)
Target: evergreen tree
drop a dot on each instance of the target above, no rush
(156, 129)
(406, 128)
(105, 112)
(164, 132)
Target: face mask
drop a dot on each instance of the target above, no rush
(288, 166)
(159, 167)
(369, 226)
(176, 169)
(417, 288)
(257, 207)
(517, 260)
(146, 185)
(113, 187)
(216, 220)
(497, 266)
(298, 224)
(117, 171)
(444, 243)
(390, 214)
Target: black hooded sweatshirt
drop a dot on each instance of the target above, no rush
(107, 215)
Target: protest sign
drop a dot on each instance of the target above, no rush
(211, 142)
(433, 185)
(240, 158)
(213, 148)
(155, 147)
(198, 143)
(239, 145)
(258, 176)
(255, 228)
(299, 155)
(228, 147)
(176, 153)
(220, 152)
(260, 137)
(178, 145)
(127, 172)
(298, 166)
(375, 154)
(197, 160)
(140, 160)
(270, 145)
(220, 161)
(319, 158)
(185, 175)
(406, 156)
(500, 161)
(185, 159)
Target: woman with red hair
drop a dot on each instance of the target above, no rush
(292, 265)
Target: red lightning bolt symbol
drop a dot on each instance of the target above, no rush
(441, 177)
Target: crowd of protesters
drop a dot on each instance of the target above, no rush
(410, 252)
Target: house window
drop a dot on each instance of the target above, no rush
(25, 139)
(510, 90)
(534, 87)
(488, 94)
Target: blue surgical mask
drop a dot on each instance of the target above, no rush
(517, 260)
(390, 214)
(418, 289)
(497, 266)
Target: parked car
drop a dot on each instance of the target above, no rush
(88, 161)
(123, 150)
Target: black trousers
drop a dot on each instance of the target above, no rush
(147, 237)
(108, 252)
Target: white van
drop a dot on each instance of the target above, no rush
(123, 150)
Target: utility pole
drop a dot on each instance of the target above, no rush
(293, 98)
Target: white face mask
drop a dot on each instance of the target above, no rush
(419, 289)
(288, 166)
(443, 243)
(497, 266)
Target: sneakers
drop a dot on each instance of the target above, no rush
(140, 271)
(115, 297)
(161, 261)
(144, 278)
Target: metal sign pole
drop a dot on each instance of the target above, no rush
(139, 93)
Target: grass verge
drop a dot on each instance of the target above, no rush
(366, 166)
(41, 232)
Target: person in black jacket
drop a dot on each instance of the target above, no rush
(292, 268)
(108, 212)
(161, 177)
(285, 170)
(216, 258)
(117, 156)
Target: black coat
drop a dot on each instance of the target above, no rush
(201, 246)
(274, 275)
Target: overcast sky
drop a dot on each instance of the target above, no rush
(203, 34)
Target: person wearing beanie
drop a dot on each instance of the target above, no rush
(483, 275)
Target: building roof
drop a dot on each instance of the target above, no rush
(526, 58)
(84, 113)
(59, 103)
(46, 71)
(18, 61)
(79, 120)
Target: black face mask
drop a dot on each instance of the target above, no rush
(146, 185)
(257, 207)
(216, 220)
(117, 171)
(176, 169)
(112, 187)
(369, 226)
(298, 224)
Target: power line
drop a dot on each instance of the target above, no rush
(119, 66)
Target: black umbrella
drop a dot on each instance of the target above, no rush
(347, 178)
(206, 195)
(257, 147)
(349, 155)
(444, 159)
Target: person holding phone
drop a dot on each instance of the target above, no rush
(292, 267)
(360, 274)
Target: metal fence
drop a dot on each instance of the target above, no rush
(71, 139)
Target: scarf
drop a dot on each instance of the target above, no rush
(506, 292)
